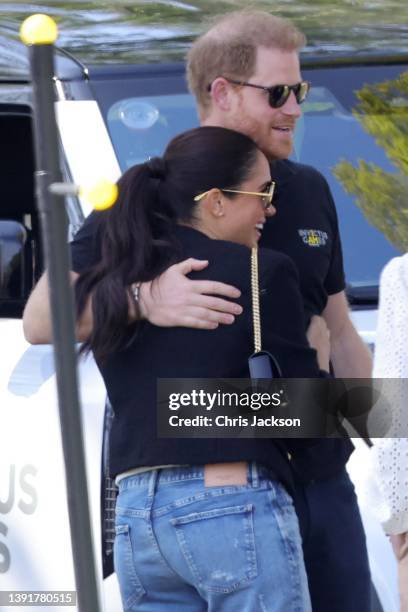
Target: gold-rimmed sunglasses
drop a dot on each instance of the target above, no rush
(267, 195)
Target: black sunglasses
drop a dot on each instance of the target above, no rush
(278, 94)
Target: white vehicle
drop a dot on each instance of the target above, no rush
(110, 118)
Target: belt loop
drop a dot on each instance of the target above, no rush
(151, 488)
(254, 474)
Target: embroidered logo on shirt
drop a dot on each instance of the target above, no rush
(313, 238)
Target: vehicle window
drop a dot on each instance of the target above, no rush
(354, 130)
(141, 127)
(20, 245)
(21, 253)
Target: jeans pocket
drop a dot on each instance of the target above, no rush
(131, 588)
(219, 547)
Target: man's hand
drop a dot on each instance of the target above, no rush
(350, 357)
(172, 300)
(319, 338)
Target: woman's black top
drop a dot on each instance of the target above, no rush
(130, 375)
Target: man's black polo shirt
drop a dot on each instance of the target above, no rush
(305, 227)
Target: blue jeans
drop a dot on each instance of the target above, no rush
(182, 546)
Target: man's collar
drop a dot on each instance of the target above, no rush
(283, 170)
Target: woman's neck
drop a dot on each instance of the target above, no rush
(202, 227)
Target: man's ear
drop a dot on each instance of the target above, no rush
(221, 93)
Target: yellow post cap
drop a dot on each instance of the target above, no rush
(100, 195)
(39, 29)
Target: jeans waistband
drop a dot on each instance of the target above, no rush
(149, 480)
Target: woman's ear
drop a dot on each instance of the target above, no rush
(214, 203)
(218, 209)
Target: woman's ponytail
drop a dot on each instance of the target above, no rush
(133, 235)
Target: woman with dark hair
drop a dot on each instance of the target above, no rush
(201, 524)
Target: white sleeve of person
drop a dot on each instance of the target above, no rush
(388, 480)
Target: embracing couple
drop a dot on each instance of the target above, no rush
(210, 524)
